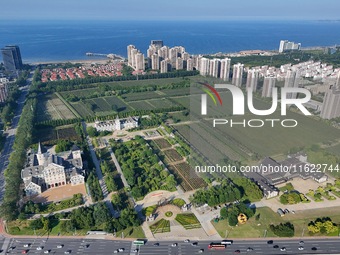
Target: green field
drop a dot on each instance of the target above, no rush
(101, 106)
(258, 228)
(240, 142)
(334, 150)
(50, 107)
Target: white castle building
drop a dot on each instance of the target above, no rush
(117, 124)
(45, 170)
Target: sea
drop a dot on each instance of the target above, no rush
(71, 40)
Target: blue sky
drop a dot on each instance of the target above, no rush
(169, 9)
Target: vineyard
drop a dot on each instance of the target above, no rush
(162, 143)
(188, 220)
(172, 155)
(162, 103)
(141, 105)
(186, 177)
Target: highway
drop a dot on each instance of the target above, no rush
(102, 246)
(10, 136)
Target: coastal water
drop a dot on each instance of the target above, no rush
(70, 40)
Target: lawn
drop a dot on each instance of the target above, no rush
(188, 220)
(131, 232)
(257, 229)
(161, 226)
(178, 202)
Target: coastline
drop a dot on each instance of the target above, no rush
(73, 61)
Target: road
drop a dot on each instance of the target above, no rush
(102, 246)
(10, 136)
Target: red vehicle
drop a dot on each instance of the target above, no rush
(216, 246)
(24, 251)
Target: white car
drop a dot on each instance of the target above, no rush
(115, 251)
(26, 245)
(201, 251)
(283, 249)
(47, 251)
(39, 248)
(67, 252)
(60, 246)
(187, 241)
(121, 249)
(135, 250)
(174, 245)
(301, 248)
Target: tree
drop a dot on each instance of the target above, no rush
(232, 218)
(92, 132)
(283, 229)
(63, 145)
(224, 212)
(36, 224)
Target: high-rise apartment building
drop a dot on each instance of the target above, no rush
(204, 66)
(252, 79)
(173, 55)
(190, 64)
(237, 74)
(285, 45)
(331, 103)
(155, 61)
(129, 53)
(214, 67)
(268, 85)
(165, 66)
(225, 69)
(292, 80)
(133, 58)
(11, 57)
(140, 63)
(163, 52)
(179, 64)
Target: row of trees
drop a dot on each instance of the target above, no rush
(112, 89)
(23, 139)
(90, 82)
(94, 217)
(7, 109)
(61, 122)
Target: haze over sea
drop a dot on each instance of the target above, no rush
(70, 40)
